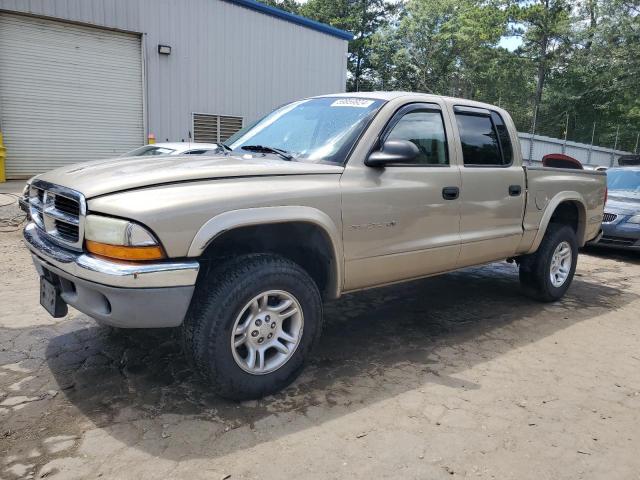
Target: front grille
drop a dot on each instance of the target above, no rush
(39, 194)
(609, 217)
(622, 241)
(67, 205)
(67, 231)
(59, 212)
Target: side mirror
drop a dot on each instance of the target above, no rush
(393, 151)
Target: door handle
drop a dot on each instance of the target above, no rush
(450, 193)
(515, 190)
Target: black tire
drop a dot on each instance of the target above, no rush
(217, 302)
(535, 269)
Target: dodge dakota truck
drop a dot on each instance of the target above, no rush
(321, 197)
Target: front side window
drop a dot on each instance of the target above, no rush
(425, 129)
(479, 140)
(313, 130)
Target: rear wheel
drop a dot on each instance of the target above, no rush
(547, 274)
(252, 324)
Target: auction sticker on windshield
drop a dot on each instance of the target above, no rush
(352, 102)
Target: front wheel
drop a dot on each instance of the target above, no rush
(251, 325)
(547, 274)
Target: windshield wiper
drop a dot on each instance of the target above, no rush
(264, 149)
(224, 147)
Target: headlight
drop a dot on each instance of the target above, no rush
(120, 239)
(634, 219)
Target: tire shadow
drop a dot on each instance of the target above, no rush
(130, 377)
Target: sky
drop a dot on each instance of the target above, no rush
(510, 43)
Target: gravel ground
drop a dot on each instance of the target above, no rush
(450, 377)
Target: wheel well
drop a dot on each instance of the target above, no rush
(304, 243)
(570, 213)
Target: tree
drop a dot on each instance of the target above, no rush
(545, 26)
(598, 79)
(288, 5)
(363, 18)
(448, 44)
(579, 61)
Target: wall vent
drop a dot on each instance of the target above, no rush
(209, 128)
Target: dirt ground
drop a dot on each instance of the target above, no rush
(458, 376)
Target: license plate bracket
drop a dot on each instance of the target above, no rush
(51, 300)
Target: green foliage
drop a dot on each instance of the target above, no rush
(598, 80)
(578, 63)
(287, 5)
(363, 18)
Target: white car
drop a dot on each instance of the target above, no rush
(175, 148)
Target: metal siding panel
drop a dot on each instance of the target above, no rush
(68, 93)
(225, 59)
(580, 151)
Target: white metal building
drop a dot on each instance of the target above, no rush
(88, 79)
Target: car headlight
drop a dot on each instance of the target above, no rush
(120, 239)
(634, 219)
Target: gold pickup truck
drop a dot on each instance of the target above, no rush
(321, 197)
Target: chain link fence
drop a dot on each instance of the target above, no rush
(594, 140)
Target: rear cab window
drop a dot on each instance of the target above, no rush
(503, 137)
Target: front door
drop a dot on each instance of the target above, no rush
(402, 221)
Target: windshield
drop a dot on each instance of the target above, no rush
(317, 129)
(149, 150)
(628, 180)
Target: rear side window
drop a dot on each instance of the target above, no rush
(479, 140)
(503, 136)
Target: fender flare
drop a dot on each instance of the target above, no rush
(247, 217)
(568, 196)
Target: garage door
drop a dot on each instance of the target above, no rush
(68, 93)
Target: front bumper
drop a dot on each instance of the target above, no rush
(620, 235)
(122, 294)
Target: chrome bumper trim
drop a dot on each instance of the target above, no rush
(24, 205)
(107, 272)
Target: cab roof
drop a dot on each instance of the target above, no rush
(388, 96)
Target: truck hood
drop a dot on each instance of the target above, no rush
(100, 177)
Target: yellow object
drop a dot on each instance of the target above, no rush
(151, 139)
(3, 155)
(120, 252)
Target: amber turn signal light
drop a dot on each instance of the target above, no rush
(121, 252)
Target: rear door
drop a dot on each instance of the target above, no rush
(492, 192)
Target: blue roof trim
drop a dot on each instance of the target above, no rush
(293, 18)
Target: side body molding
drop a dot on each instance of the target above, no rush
(268, 215)
(551, 208)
